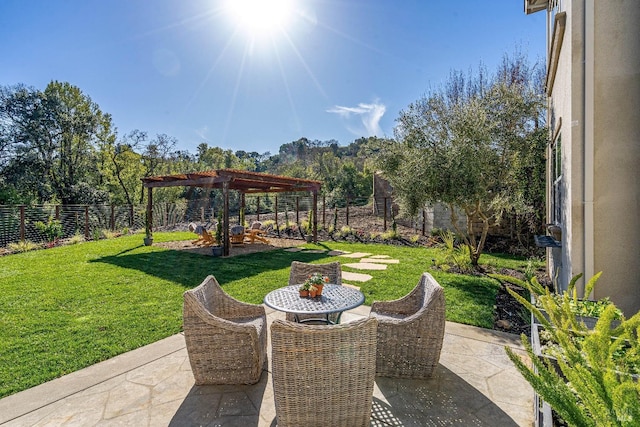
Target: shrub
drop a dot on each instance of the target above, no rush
(75, 239)
(23, 246)
(457, 255)
(268, 223)
(596, 385)
(52, 229)
(389, 235)
(108, 234)
(346, 230)
(96, 234)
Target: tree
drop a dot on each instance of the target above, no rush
(123, 166)
(466, 145)
(155, 160)
(56, 133)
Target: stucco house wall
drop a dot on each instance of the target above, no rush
(616, 136)
(593, 85)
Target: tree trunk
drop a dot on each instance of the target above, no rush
(475, 246)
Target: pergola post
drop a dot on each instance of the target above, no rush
(315, 216)
(149, 214)
(225, 217)
(241, 213)
(277, 226)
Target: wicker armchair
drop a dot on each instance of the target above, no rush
(411, 331)
(226, 338)
(323, 375)
(301, 270)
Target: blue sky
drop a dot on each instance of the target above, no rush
(195, 70)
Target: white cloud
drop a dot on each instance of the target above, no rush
(203, 133)
(369, 115)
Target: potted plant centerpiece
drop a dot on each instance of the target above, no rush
(304, 290)
(317, 281)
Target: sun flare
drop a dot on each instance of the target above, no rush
(260, 16)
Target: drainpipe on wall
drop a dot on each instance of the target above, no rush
(588, 124)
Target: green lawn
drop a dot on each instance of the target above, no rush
(66, 308)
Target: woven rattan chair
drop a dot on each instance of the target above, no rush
(410, 331)
(226, 338)
(323, 375)
(301, 270)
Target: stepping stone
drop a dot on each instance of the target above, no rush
(366, 266)
(336, 253)
(381, 261)
(379, 256)
(356, 277)
(314, 251)
(348, 285)
(293, 249)
(356, 255)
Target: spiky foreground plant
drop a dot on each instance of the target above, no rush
(598, 383)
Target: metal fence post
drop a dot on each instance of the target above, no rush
(22, 232)
(424, 221)
(324, 212)
(347, 212)
(86, 222)
(384, 214)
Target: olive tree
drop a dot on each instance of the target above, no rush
(466, 145)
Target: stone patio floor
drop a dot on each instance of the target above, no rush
(475, 384)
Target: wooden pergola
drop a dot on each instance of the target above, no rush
(233, 179)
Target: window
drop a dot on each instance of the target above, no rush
(556, 188)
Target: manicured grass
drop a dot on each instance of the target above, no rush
(66, 308)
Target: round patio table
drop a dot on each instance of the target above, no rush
(334, 299)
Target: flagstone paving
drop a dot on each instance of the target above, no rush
(356, 277)
(356, 255)
(366, 266)
(380, 260)
(336, 253)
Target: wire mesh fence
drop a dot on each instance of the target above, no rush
(19, 222)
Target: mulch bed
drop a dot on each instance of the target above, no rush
(245, 248)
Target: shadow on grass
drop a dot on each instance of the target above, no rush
(188, 269)
(469, 299)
